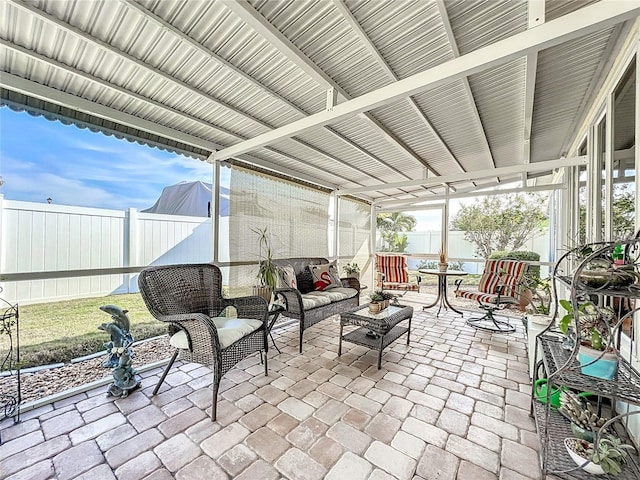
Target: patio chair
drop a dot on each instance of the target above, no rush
(189, 298)
(499, 288)
(393, 273)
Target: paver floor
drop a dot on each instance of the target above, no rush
(452, 404)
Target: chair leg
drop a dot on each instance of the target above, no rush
(214, 400)
(166, 370)
(266, 373)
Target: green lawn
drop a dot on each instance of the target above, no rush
(59, 331)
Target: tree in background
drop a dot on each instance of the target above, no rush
(624, 211)
(501, 222)
(391, 226)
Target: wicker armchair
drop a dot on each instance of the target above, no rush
(189, 298)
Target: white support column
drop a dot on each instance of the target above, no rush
(131, 250)
(215, 210)
(445, 223)
(608, 169)
(335, 251)
(372, 241)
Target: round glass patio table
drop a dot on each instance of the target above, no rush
(441, 299)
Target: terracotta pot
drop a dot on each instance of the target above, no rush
(375, 307)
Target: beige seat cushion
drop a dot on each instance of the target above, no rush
(230, 330)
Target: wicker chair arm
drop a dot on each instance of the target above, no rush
(350, 282)
(249, 307)
(200, 329)
(292, 300)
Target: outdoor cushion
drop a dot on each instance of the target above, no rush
(288, 277)
(230, 330)
(394, 268)
(314, 299)
(340, 293)
(323, 277)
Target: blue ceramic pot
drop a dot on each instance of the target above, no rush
(605, 365)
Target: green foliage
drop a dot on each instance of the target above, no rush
(267, 271)
(611, 454)
(501, 222)
(391, 226)
(351, 268)
(623, 213)
(595, 322)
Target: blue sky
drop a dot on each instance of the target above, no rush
(41, 158)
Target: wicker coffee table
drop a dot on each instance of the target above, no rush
(376, 330)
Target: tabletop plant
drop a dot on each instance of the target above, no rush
(351, 269)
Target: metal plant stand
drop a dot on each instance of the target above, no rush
(10, 351)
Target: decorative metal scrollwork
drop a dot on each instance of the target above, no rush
(10, 395)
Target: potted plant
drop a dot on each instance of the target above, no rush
(352, 270)
(597, 358)
(535, 294)
(375, 303)
(442, 260)
(609, 455)
(267, 270)
(585, 422)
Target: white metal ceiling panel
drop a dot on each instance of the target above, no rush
(478, 23)
(564, 76)
(410, 35)
(499, 94)
(557, 8)
(449, 110)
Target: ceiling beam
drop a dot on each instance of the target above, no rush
(573, 25)
(92, 40)
(470, 176)
(377, 56)
(256, 21)
(162, 23)
(413, 205)
(465, 81)
(535, 18)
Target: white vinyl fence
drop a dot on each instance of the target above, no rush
(46, 239)
(50, 252)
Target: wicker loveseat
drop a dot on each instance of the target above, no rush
(308, 305)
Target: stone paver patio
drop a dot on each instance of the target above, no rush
(452, 404)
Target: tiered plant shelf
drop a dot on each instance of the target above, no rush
(564, 370)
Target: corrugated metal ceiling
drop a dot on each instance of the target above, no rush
(217, 73)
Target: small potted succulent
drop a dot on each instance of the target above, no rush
(609, 455)
(376, 302)
(597, 358)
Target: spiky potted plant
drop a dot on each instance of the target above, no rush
(267, 271)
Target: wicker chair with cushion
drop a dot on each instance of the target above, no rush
(499, 287)
(189, 298)
(393, 273)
